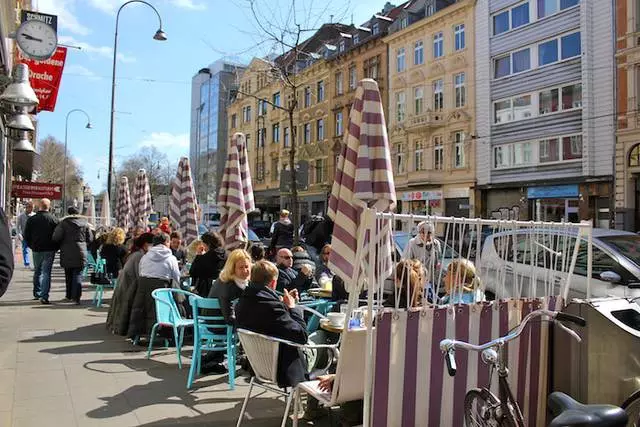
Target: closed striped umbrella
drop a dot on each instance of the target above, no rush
(123, 205)
(364, 179)
(91, 211)
(141, 202)
(235, 200)
(183, 208)
(105, 215)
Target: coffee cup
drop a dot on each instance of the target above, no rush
(336, 319)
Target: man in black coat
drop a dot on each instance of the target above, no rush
(73, 235)
(260, 309)
(39, 236)
(6, 254)
(288, 278)
(282, 232)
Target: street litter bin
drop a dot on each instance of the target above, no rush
(605, 366)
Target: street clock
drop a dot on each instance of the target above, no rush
(37, 35)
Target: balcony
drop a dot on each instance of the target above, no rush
(429, 119)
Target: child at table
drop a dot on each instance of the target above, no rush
(461, 283)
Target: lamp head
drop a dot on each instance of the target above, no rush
(89, 126)
(20, 121)
(160, 35)
(23, 143)
(19, 92)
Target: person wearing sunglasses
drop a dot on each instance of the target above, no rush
(288, 278)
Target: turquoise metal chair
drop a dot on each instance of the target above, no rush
(317, 310)
(167, 314)
(91, 264)
(101, 267)
(211, 333)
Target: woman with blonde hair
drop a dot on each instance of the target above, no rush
(114, 252)
(410, 281)
(461, 283)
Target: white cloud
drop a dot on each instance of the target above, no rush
(166, 140)
(79, 70)
(106, 6)
(188, 4)
(104, 51)
(67, 20)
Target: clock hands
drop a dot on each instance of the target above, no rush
(30, 37)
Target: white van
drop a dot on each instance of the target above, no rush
(516, 257)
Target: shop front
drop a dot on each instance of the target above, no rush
(421, 202)
(267, 204)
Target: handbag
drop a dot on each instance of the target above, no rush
(99, 278)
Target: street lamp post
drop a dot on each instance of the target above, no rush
(207, 171)
(64, 172)
(160, 36)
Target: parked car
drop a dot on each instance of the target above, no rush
(262, 228)
(516, 258)
(253, 237)
(467, 246)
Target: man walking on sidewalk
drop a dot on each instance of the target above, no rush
(38, 233)
(22, 223)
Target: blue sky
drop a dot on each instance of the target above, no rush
(153, 90)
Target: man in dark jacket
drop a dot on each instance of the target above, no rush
(282, 234)
(73, 235)
(6, 254)
(290, 279)
(176, 248)
(39, 236)
(260, 309)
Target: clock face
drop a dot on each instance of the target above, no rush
(37, 39)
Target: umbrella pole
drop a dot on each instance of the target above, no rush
(370, 222)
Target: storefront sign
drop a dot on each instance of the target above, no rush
(422, 195)
(553, 192)
(36, 190)
(50, 20)
(45, 77)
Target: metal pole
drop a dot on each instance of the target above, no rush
(208, 172)
(64, 171)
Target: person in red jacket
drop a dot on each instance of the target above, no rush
(164, 225)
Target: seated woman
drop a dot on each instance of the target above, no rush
(409, 284)
(461, 283)
(114, 252)
(122, 301)
(206, 267)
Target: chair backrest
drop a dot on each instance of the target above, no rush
(210, 326)
(90, 260)
(262, 352)
(166, 309)
(349, 381)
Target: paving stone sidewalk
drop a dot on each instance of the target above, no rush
(60, 367)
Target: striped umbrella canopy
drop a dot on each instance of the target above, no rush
(91, 211)
(235, 200)
(123, 205)
(183, 208)
(141, 202)
(364, 179)
(105, 219)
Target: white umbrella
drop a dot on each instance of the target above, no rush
(183, 208)
(105, 219)
(141, 200)
(123, 206)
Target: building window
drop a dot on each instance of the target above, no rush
(400, 65)
(400, 106)
(248, 143)
(372, 67)
(418, 53)
(634, 156)
(320, 130)
(512, 63)
(320, 89)
(572, 147)
(459, 38)
(546, 101)
(276, 100)
(438, 45)
(549, 7)
(353, 78)
(307, 133)
(438, 95)
(570, 45)
(502, 112)
(520, 15)
(548, 52)
(339, 129)
(400, 163)
(404, 22)
(419, 156)
(458, 158)
(262, 136)
(246, 114)
(356, 38)
(307, 97)
(376, 28)
(287, 137)
(275, 133)
(510, 19)
(319, 167)
(438, 152)
(275, 173)
(522, 154)
(339, 84)
(501, 22)
(500, 157)
(418, 98)
(262, 107)
(234, 121)
(341, 46)
(572, 97)
(461, 93)
(429, 10)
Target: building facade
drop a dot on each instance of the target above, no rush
(431, 109)
(210, 89)
(545, 109)
(627, 159)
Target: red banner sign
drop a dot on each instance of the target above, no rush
(45, 77)
(36, 190)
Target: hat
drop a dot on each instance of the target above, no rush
(426, 226)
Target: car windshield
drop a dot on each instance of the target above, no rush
(253, 237)
(402, 240)
(628, 246)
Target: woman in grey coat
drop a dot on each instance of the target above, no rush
(426, 249)
(73, 234)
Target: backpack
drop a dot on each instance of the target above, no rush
(309, 226)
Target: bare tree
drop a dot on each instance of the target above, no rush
(50, 166)
(159, 169)
(285, 29)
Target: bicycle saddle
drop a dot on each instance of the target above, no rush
(572, 413)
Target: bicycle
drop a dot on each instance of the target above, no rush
(483, 408)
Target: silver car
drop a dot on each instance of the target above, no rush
(528, 262)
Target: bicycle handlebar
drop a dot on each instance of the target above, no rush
(448, 346)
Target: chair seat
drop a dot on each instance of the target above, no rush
(573, 413)
(311, 388)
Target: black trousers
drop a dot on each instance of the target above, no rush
(73, 282)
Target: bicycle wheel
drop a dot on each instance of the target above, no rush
(632, 407)
(480, 408)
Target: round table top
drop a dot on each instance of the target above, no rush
(319, 293)
(324, 324)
